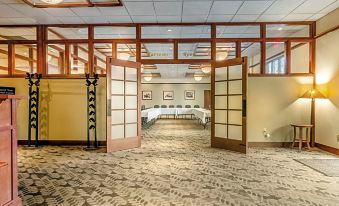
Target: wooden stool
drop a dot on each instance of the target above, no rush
(301, 127)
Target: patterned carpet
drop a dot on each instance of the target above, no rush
(174, 166)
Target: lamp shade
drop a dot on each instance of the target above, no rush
(313, 94)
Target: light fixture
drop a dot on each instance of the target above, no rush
(280, 28)
(197, 77)
(222, 56)
(206, 69)
(169, 30)
(148, 77)
(123, 56)
(52, 1)
(313, 94)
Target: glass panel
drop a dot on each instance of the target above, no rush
(101, 52)
(18, 33)
(235, 117)
(131, 88)
(3, 59)
(131, 74)
(118, 87)
(25, 58)
(118, 117)
(131, 116)
(226, 51)
(118, 73)
(221, 116)
(253, 51)
(235, 132)
(300, 57)
(220, 130)
(284, 30)
(55, 33)
(235, 102)
(131, 102)
(157, 51)
(238, 31)
(235, 72)
(117, 102)
(110, 32)
(131, 130)
(79, 58)
(56, 59)
(220, 102)
(220, 73)
(194, 50)
(118, 132)
(126, 52)
(275, 58)
(220, 88)
(172, 32)
(235, 87)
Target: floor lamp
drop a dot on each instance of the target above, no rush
(313, 94)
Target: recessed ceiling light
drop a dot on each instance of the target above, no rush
(280, 28)
(169, 30)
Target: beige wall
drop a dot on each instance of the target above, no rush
(327, 69)
(179, 89)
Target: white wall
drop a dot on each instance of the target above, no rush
(327, 74)
(179, 98)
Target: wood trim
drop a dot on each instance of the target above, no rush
(61, 142)
(327, 148)
(88, 3)
(269, 144)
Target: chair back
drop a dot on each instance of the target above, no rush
(163, 106)
(187, 106)
(156, 106)
(143, 107)
(171, 106)
(196, 106)
(179, 106)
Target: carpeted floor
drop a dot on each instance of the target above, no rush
(174, 166)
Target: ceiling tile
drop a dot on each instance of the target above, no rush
(225, 7)
(140, 8)
(283, 7)
(71, 20)
(7, 11)
(219, 18)
(113, 11)
(194, 18)
(168, 8)
(87, 11)
(119, 19)
(144, 19)
(60, 11)
(297, 17)
(315, 17)
(242, 18)
(312, 6)
(94, 19)
(254, 7)
(169, 19)
(267, 18)
(196, 7)
(330, 7)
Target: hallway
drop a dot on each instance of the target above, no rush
(174, 166)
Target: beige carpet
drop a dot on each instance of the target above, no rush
(174, 166)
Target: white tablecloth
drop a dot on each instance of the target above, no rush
(154, 113)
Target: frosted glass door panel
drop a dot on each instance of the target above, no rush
(220, 102)
(220, 88)
(235, 72)
(118, 73)
(118, 131)
(235, 102)
(131, 116)
(221, 130)
(131, 102)
(131, 88)
(118, 117)
(235, 132)
(131, 74)
(131, 130)
(235, 87)
(235, 117)
(221, 116)
(117, 102)
(221, 73)
(117, 87)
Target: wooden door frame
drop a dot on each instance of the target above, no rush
(128, 142)
(225, 143)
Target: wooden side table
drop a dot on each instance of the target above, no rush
(301, 128)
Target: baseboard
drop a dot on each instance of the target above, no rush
(269, 144)
(327, 148)
(61, 142)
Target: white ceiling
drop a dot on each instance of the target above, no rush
(170, 11)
